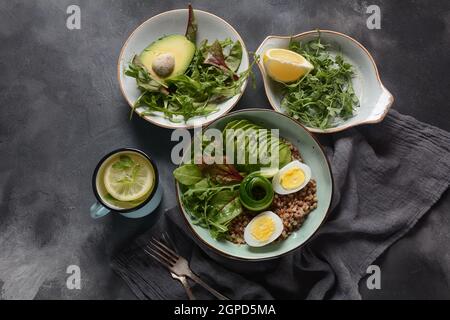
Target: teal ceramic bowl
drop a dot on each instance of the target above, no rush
(313, 156)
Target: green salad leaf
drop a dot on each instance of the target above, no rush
(227, 206)
(195, 93)
(188, 174)
(210, 193)
(214, 194)
(325, 96)
(210, 79)
(215, 57)
(212, 206)
(234, 58)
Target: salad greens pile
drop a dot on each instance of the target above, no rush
(211, 78)
(324, 96)
(215, 194)
(210, 204)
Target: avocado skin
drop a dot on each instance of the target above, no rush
(179, 46)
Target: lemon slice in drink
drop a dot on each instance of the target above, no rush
(128, 177)
(285, 66)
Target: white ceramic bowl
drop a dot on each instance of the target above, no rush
(210, 27)
(375, 100)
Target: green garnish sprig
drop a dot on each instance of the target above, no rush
(325, 96)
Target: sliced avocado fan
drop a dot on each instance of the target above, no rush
(264, 140)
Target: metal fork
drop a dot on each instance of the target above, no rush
(182, 279)
(177, 264)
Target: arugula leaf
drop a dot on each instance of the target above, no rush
(191, 30)
(188, 174)
(325, 96)
(195, 93)
(143, 77)
(210, 79)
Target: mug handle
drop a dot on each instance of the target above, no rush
(98, 211)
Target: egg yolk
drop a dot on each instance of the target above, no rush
(292, 178)
(262, 228)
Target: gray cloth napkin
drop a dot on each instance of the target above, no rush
(387, 176)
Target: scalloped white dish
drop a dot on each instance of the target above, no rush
(210, 27)
(375, 100)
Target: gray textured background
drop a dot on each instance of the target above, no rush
(61, 110)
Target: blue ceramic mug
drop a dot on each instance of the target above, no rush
(104, 206)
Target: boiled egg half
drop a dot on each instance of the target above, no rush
(263, 229)
(291, 178)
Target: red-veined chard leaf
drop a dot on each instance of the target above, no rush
(215, 57)
(191, 30)
(224, 173)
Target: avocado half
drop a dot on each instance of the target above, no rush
(179, 46)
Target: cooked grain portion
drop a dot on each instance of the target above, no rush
(237, 226)
(292, 208)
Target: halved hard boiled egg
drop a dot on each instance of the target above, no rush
(291, 178)
(263, 229)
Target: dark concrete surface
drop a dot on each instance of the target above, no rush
(61, 110)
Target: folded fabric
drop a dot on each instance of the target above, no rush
(386, 175)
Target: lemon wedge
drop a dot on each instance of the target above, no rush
(129, 179)
(285, 66)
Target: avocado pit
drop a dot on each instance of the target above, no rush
(164, 64)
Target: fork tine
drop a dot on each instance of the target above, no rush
(169, 242)
(160, 258)
(174, 254)
(160, 254)
(160, 250)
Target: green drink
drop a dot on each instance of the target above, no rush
(124, 181)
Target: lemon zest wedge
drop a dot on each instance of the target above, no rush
(285, 66)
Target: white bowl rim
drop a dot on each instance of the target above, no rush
(148, 118)
(338, 128)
